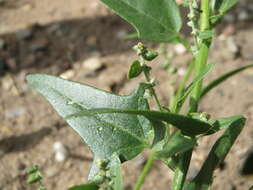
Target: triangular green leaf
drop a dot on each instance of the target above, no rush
(108, 134)
(189, 126)
(217, 155)
(154, 20)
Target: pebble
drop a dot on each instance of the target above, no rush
(61, 152)
(121, 34)
(179, 49)
(68, 74)
(24, 34)
(92, 63)
(52, 171)
(231, 45)
(243, 15)
(7, 83)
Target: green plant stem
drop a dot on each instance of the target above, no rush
(144, 172)
(174, 107)
(151, 90)
(201, 60)
(202, 55)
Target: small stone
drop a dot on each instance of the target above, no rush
(181, 72)
(24, 34)
(61, 152)
(179, 49)
(67, 74)
(39, 45)
(231, 45)
(27, 7)
(243, 15)
(7, 83)
(121, 34)
(51, 172)
(93, 63)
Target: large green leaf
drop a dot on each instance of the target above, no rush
(217, 155)
(107, 134)
(154, 20)
(177, 143)
(222, 78)
(188, 126)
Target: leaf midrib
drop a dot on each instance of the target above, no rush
(81, 106)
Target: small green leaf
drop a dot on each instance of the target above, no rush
(177, 143)
(34, 178)
(222, 78)
(84, 187)
(189, 126)
(154, 20)
(217, 155)
(150, 55)
(135, 69)
(33, 169)
(125, 135)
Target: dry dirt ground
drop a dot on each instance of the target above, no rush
(58, 37)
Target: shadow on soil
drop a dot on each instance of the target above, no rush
(22, 142)
(53, 48)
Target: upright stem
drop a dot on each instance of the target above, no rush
(144, 172)
(202, 55)
(201, 60)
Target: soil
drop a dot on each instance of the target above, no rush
(57, 37)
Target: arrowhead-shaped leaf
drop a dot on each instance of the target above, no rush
(121, 134)
(154, 20)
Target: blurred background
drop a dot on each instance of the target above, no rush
(82, 40)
